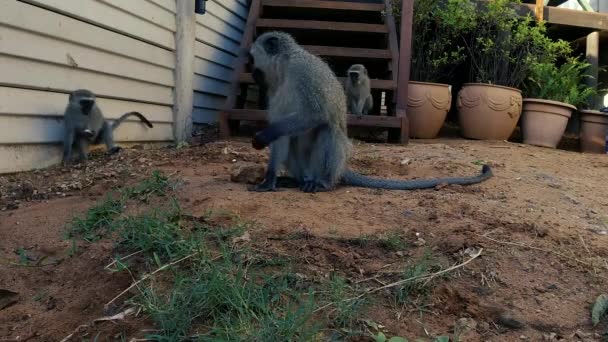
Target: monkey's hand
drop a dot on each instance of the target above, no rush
(260, 141)
(265, 186)
(114, 150)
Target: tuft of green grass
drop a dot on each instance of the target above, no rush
(100, 219)
(392, 241)
(97, 221)
(414, 290)
(219, 300)
(346, 310)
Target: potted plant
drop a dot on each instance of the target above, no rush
(500, 47)
(552, 95)
(435, 54)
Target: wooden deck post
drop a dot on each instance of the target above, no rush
(183, 98)
(538, 10)
(405, 57)
(593, 56)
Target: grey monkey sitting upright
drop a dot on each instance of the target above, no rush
(358, 92)
(307, 130)
(84, 124)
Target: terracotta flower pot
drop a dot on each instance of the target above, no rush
(594, 127)
(544, 121)
(488, 112)
(427, 107)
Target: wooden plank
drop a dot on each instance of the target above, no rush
(111, 18)
(44, 130)
(374, 83)
(208, 85)
(353, 120)
(215, 39)
(146, 11)
(208, 101)
(68, 54)
(213, 70)
(213, 54)
(393, 45)
(337, 51)
(320, 25)
(220, 27)
(241, 61)
(234, 7)
(405, 57)
(18, 72)
(168, 5)
(34, 19)
(568, 17)
(324, 4)
(28, 102)
(222, 13)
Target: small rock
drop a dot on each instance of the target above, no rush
(252, 174)
(549, 337)
(406, 161)
(483, 327)
(523, 337)
(552, 287)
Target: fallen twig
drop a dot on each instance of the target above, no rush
(121, 259)
(149, 275)
(517, 244)
(403, 281)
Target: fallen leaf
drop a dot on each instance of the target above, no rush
(600, 308)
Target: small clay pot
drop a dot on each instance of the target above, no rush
(427, 107)
(594, 127)
(488, 112)
(544, 121)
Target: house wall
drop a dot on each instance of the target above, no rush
(124, 51)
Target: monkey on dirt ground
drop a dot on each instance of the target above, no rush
(358, 92)
(84, 124)
(307, 130)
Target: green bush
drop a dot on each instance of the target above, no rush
(564, 83)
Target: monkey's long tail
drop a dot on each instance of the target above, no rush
(126, 115)
(355, 179)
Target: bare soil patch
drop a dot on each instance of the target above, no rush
(552, 200)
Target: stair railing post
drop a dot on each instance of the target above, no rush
(405, 57)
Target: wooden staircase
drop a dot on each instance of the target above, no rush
(343, 33)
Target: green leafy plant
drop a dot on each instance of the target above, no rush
(501, 44)
(435, 49)
(564, 83)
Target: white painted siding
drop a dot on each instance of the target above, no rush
(124, 51)
(218, 38)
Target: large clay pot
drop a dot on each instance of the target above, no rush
(594, 127)
(544, 121)
(427, 107)
(488, 112)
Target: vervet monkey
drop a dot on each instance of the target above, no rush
(307, 123)
(358, 92)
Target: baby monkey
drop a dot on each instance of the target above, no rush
(358, 92)
(84, 124)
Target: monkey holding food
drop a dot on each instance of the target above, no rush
(307, 129)
(85, 124)
(358, 92)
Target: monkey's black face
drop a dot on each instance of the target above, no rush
(354, 76)
(86, 105)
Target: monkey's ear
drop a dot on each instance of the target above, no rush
(271, 45)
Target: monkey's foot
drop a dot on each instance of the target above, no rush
(258, 143)
(264, 187)
(314, 186)
(114, 150)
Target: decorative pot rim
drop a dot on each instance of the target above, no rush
(491, 85)
(430, 83)
(592, 112)
(550, 102)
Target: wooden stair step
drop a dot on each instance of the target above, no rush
(324, 4)
(337, 51)
(320, 25)
(353, 120)
(374, 83)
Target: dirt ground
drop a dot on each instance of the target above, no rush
(553, 200)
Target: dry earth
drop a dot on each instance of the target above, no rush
(553, 200)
